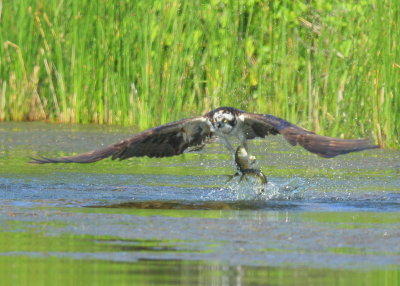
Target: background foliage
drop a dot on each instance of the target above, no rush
(331, 66)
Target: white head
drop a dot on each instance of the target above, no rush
(223, 121)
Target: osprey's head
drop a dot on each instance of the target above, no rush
(224, 121)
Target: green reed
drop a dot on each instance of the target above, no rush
(331, 66)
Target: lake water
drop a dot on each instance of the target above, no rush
(176, 221)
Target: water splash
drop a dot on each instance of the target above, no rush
(250, 189)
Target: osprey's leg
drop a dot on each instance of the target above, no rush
(227, 144)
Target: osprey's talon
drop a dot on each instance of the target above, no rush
(230, 177)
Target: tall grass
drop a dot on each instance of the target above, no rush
(331, 66)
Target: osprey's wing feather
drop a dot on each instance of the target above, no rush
(261, 125)
(163, 141)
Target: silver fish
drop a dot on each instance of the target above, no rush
(243, 164)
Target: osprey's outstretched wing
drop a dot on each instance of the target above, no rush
(261, 125)
(163, 141)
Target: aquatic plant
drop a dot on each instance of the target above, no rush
(333, 67)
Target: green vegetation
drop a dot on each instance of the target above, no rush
(331, 66)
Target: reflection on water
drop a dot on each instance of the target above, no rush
(201, 205)
(175, 221)
(184, 272)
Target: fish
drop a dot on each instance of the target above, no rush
(244, 164)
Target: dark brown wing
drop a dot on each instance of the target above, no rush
(163, 141)
(260, 125)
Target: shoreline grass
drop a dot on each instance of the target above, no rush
(331, 67)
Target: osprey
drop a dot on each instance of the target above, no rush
(174, 138)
